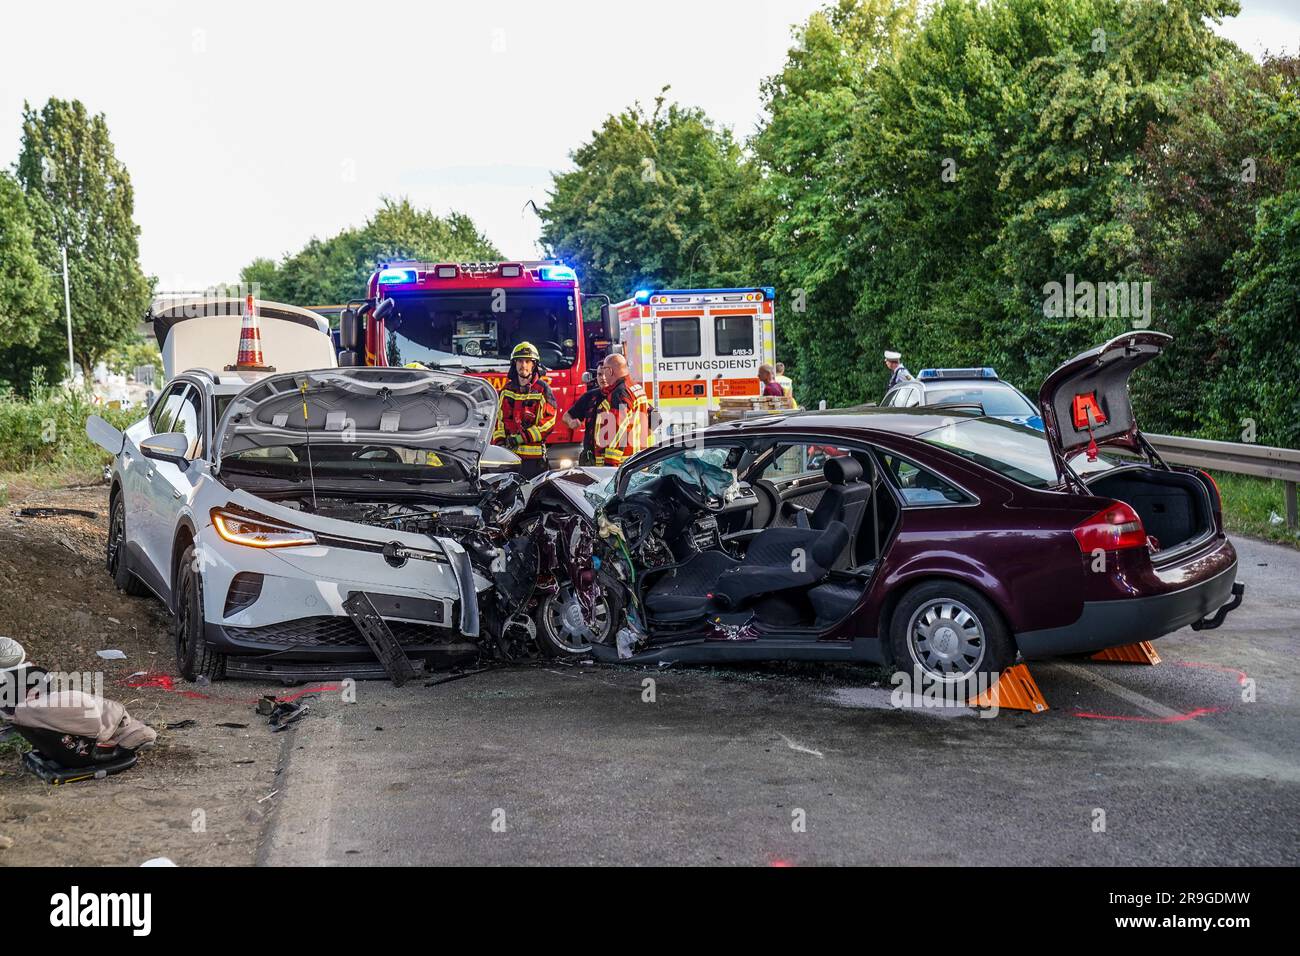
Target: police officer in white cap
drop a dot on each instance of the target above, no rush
(897, 371)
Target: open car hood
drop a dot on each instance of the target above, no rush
(1087, 398)
(417, 408)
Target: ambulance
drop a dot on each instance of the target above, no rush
(689, 348)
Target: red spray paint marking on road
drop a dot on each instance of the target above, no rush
(1175, 718)
(1241, 675)
(168, 683)
(1171, 719)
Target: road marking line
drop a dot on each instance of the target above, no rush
(800, 747)
(1140, 701)
(1242, 752)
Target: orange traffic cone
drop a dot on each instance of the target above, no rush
(250, 342)
(1015, 690)
(1140, 653)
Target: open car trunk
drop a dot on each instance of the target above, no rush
(1175, 506)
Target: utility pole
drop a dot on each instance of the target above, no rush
(67, 312)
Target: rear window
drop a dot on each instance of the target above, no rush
(994, 400)
(681, 337)
(734, 334)
(1014, 451)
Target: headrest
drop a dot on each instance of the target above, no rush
(842, 469)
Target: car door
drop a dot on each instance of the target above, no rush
(136, 471)
(793, 474)
(168, 487)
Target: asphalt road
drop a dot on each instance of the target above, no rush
(1172, 764)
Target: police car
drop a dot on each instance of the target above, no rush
(971, 389)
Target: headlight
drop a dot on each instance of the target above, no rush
(258, 532)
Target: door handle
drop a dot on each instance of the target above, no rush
(149, 474)
(175, 493)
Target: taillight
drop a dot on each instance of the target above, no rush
(1113, 528)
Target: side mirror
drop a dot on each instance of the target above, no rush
(167, 446)
(104, 435)
(609, 322)
(349, 330)
(384, 310)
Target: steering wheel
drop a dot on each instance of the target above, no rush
(636, 516)
(697, 497)
(387, 454)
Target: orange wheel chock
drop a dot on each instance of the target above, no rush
(1015, 690)
(1140, 653)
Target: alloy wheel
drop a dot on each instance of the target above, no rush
(946, 640)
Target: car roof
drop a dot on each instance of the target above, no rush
(899, 421)
(219, 383)
(964, 383)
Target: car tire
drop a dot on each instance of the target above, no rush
(194, 657)
(950, 634)
(114, 559)
(552, 639)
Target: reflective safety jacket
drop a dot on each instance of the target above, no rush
(623, 425)
(525, 415)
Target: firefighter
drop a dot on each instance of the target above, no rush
(623, 425)
(584, 412)
(526, 410)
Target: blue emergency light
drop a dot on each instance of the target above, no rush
(396, 276)
(557, 274)
(934, 373)
(642, 296)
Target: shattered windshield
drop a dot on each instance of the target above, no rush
(704, 469)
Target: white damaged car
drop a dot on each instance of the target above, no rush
(256, 517)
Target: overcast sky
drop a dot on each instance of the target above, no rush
(250, 127)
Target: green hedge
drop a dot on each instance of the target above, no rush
(50, 430)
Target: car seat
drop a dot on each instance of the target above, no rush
(778, 559)
(845, 500)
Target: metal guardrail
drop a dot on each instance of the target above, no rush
(1241, 458)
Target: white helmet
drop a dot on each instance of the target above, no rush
(12, 655)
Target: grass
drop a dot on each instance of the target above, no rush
(43, 441)
(14, 744)
(1251, 504)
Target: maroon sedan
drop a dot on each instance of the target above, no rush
(944, 542)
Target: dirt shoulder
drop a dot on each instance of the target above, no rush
(201, 796)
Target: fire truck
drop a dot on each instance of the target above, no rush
(689, 348)
(467, 317)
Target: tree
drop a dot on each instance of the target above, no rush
(335, 270)
(80, 196)
(649, 201)
(1203, 175)
(27, 301)
(816, 193)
